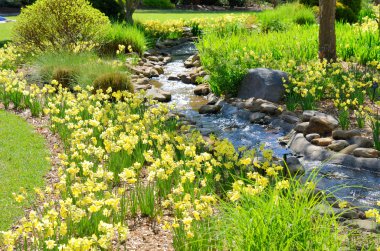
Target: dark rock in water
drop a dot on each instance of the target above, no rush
(263, 83)
(257, 117)
(174, 78)
(293, 166)
(279, 123)
(212, 99)
(269, 108)
(210, 109)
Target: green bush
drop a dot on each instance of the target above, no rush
(273, 25)
(304, 17)
(65, 76)
(345, 13)
(159, 4)
(87, 66)
(310, 2)
(119, 34)
(117, 81)
(59, 24)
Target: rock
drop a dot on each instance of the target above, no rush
(159, 95)
(312, 136)
(366, 225)
(293, 166)
(209, 109)
(257, 117)
(253, 104)
(263, 83)
(343, 213)
(202, 90)
(338, 145)
(301, 127)
(185, 79)
(307, 114)
(366, 153)
(322, 124)
(269, 108)
(361, 142)
(342, 134)
(159, 69)
(153, 58)
(290, 119)
(173, 78)
(142, 81)
(192, 61)
(212, 99)
(143, 87)
(322, 141)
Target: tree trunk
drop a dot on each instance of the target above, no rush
(128, 16)
(327, 36)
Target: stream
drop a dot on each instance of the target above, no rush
(357, 186)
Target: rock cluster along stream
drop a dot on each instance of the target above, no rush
(169, 75)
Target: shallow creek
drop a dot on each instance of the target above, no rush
(358, 186)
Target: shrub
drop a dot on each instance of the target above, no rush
(273, 25)
(126, 35)
(159, 4)
(117, 81)
(304, 17)
(109, 7)
(345, 13)
(59, 24)
(66, 76)
(310, 2)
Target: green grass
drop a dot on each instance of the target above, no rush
(87, 66)
(164, 15)
(6, 29)
(22, 164)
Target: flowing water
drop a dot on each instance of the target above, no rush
(360, 187)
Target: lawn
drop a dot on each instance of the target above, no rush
(22, 164)
(163, 15)
(141, 15)
(6, 29)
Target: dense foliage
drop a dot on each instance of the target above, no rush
(59, 24)
(113, 82)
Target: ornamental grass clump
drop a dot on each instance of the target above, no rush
(59, 24)
(113, 82)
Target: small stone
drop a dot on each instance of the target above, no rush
(142, 81)
(312, 136)
(269, 108)
(257, 117)
(366, 153)
(322, 124)
(159, 95)
(290, 119)
(306, 115)
(185, 79)
(342, 134)
(362, 142)
(322, 141)
(202, 90)
(153, 58)
(173, 78)
(366, 225)
(294, 166)
(338, 145)
(212, 99)
(159, 69)
(209, 109)
(301, 127)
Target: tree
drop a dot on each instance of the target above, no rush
(129, 7)
(327, 36)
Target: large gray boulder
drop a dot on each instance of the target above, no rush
(263, 83)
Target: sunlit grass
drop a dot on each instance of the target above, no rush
(22, 164)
